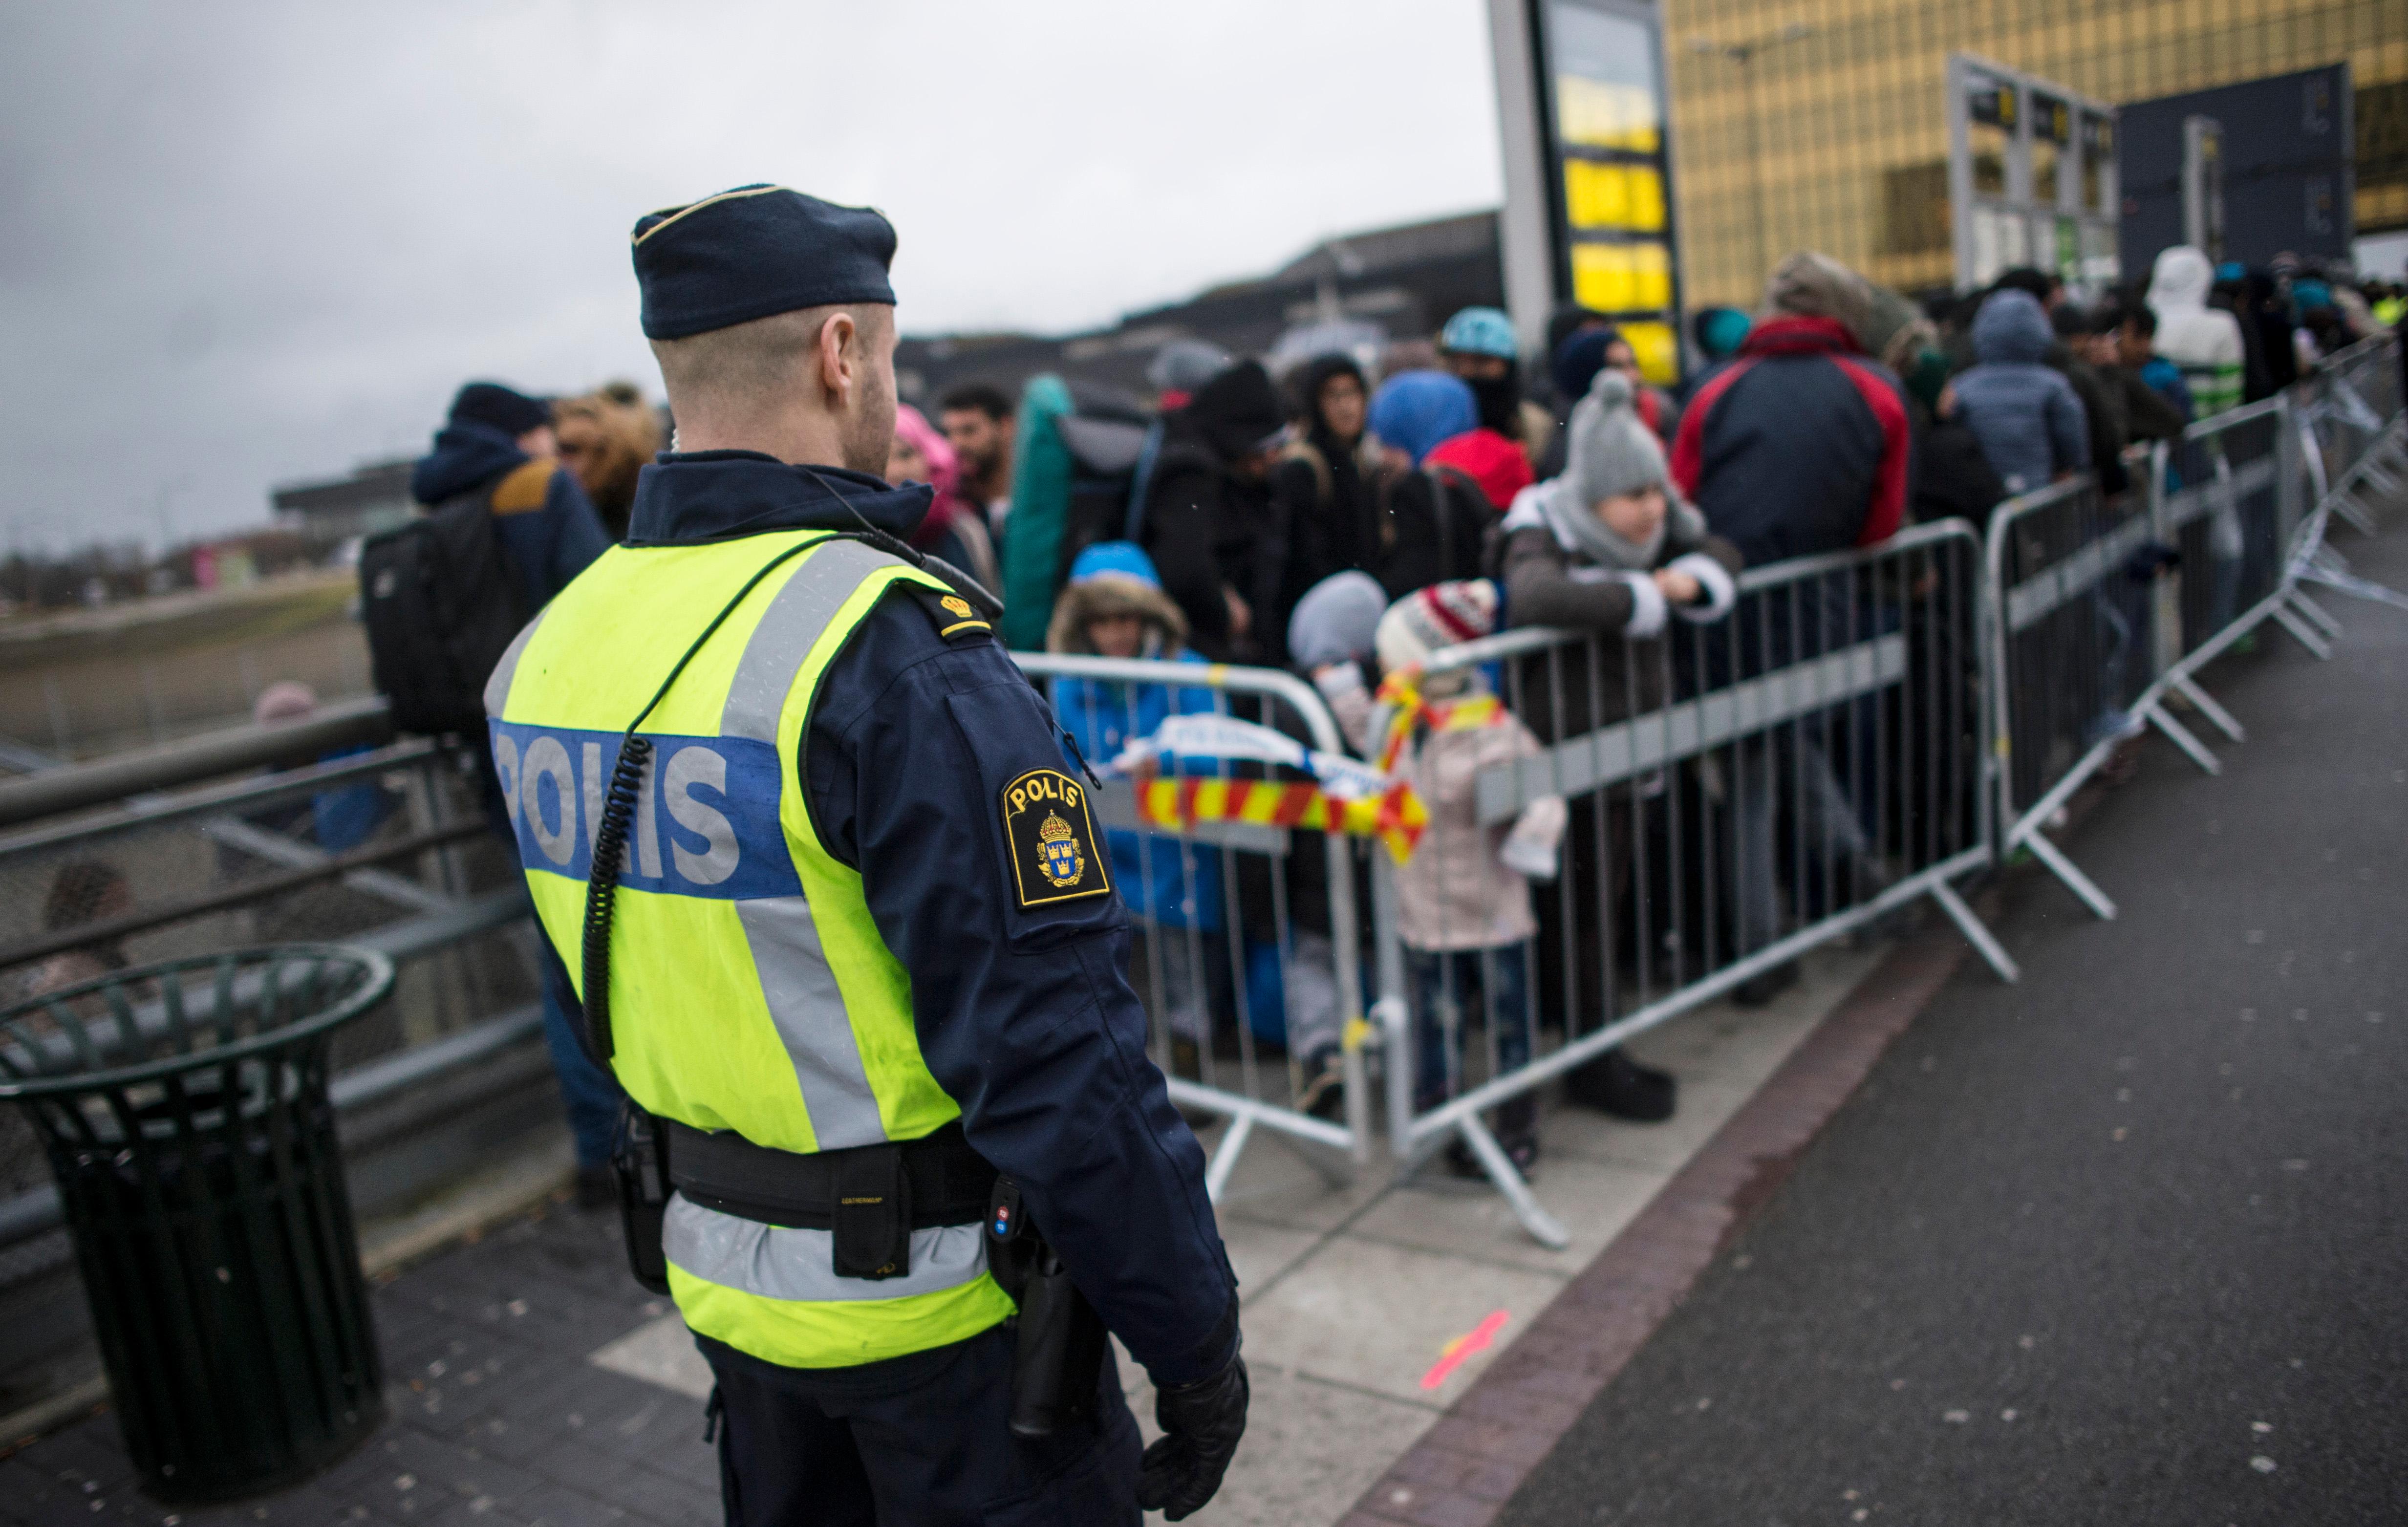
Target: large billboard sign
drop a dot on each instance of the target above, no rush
(1588, 182)
(2031, 176)
(2256, 168)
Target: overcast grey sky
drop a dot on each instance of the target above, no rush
(252, 242)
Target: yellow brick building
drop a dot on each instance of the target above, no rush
(1843, 104)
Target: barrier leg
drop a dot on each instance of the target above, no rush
(2347, 507)
(2074, 881)
(1336, 1170)
(2180, 736)
(2316, 614)
(1544, 1228)
(1224, 1160)
(2330, 569)
(1397, 1070)
(1358, 1088)
(2301, 633)
(1985, 943)
(2207, 707)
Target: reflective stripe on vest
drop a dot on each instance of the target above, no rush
(751, 988)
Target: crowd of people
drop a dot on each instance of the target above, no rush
(1360, 512)
(1351, 517)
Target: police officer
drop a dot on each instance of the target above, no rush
(853, 944)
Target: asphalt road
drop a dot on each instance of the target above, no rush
(2125, 1244)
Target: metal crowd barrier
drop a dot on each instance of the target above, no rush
(1249, 948)
(2104, 613)
(2071, 638)
(198, 863)
(2351, 429)
(1736, 793)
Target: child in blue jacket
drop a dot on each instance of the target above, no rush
(1114, 607)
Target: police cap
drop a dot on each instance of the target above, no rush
(752, 251)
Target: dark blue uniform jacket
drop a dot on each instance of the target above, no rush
(1024, 1016)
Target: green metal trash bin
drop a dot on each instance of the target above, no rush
(185, 1110)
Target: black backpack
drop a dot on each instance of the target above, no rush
(441, 608)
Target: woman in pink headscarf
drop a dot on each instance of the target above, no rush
(955, 529)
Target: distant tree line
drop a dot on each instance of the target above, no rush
(105, 573)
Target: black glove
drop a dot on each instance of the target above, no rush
(1201, 1423)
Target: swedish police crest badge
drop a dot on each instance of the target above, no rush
(1052, 837)
(1058, 853)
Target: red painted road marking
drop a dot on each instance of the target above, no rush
(1454, 1354)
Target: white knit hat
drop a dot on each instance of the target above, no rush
(1440, 616)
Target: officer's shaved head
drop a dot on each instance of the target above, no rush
(813, 385)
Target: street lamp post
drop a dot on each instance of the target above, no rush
(1744, 54)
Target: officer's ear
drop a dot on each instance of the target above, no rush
(840, 356)
(852, 343)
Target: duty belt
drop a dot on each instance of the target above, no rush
(872, 1197)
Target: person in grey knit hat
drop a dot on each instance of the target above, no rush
(1612, 514)
(1607, 548)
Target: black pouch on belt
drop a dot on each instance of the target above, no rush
(640, 1160)
(1059, 1352)
(873, 1214)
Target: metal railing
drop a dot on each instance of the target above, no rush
(338, 724)
(1735, 793)
(1248, 942)
(2105, 613)
(380, 846)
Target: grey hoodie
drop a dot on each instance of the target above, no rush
(2030, 423)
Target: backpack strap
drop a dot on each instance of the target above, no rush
(1142, 482)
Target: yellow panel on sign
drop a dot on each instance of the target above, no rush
(1618, 196)
(1602, 116)
(1658, 351)
(1621, 278)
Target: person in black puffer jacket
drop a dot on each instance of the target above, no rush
(1208, 522)
(1322, 489)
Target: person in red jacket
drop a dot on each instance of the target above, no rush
(1798, 444)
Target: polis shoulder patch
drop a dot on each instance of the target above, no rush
(956, 617)
(1056, 856)
(525, 488)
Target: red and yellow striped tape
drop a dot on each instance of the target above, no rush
(1396, 817)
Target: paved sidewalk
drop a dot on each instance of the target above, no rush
(497, 1416)
(532, 1382)
(2122, 1244)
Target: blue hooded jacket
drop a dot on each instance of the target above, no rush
(547, 537)
(2026, 414)
(1167, 882)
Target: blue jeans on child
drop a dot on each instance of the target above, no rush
(1446, 979)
